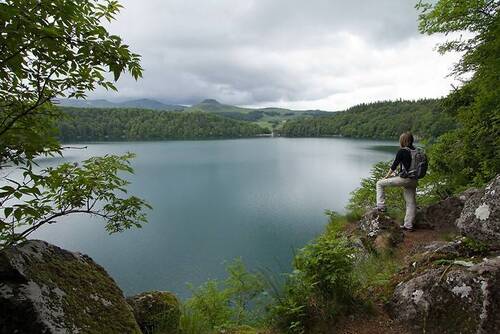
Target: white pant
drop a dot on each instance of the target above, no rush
(410, 192)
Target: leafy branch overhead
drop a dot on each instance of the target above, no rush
(51, 49)
(468, 21)
(468, 155)
(92, 188)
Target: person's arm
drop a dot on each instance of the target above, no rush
(389, 173)
(395, 164)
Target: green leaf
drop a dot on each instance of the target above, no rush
(7, 212)
(18, 214)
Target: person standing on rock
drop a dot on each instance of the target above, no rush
(403, 179)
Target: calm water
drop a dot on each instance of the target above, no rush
(217, 200)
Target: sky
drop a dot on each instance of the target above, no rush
(315, 54)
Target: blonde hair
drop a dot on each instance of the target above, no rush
(406, 139)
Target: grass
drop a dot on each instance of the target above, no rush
(374, 274)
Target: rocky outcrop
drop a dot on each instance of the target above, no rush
(45, 289)
(156, 311)
(480, 217)
(458, 298)
(379, 231)
(441, 215)
(461, 249)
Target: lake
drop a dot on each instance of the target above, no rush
(216, 200)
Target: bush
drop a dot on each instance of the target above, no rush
(322, 286)
(227, 305)
(211, 303)
(193, 322)
(327, 265)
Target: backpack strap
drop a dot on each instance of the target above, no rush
(411, 156)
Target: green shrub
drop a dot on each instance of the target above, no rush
(321, 287)
(294, 306)
(237, 301)
(337, 222)
(193, 322)
(212, 303)
(327, 265)
(246, 291)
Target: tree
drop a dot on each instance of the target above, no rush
(476, 18)
(468, 155)
(52, 49)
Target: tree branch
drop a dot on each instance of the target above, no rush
(50, 220)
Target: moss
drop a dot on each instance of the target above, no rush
(473, 246)
(156, 312)
(89, 298)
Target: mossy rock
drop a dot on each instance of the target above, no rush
(156, 312)
(46, 289)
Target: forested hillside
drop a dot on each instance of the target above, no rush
(137, 124)
(425, 118)
(387, 119)
(270, 118)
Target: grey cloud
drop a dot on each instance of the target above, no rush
(259, 51)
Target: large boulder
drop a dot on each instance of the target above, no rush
(379, 231)
(480, 217)
(157, 311)
(458, 298)
(441, 215)
(46, 289)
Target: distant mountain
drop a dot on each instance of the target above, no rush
(139, 104)
(270, 118)
(211, 105)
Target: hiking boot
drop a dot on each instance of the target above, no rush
(409, 229)
(381, 210)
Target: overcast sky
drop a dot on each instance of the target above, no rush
(315, 54)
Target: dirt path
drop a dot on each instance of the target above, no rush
(380, 322)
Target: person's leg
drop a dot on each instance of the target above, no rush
(410, 193)
(381, 184)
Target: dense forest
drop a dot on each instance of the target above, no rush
(387, 119)
(140, 124)
(375, 120)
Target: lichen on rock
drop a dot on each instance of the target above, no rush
(450, 299)
(480, 217)
(46, 289)
(379, 231)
